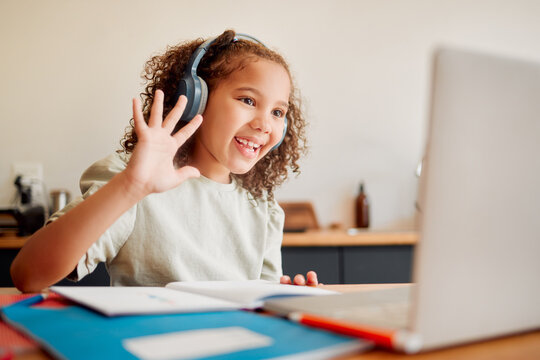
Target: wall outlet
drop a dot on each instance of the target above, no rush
(28, 170)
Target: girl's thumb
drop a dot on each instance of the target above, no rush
(187, 172)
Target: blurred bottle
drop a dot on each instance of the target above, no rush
(362, 208)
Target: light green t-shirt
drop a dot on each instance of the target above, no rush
(200, 230)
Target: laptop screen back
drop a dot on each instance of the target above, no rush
(478, 261)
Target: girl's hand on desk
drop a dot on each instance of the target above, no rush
(300, 280)
(151, 167)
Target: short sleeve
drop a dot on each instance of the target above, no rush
(108, 245)
(272, 258)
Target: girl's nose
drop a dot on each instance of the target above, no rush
(261, 123)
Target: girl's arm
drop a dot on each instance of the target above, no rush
(54, 251)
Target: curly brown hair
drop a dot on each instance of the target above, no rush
(224, 56)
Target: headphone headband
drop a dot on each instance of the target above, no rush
(198, 54)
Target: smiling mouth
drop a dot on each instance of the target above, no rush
(248, 145)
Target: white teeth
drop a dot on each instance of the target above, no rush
(251, 144)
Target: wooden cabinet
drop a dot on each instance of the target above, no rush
(9, 247)
(6, 257)
(339, 257)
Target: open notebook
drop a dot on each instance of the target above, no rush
(183, 297)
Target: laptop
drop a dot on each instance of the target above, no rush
(476, 272)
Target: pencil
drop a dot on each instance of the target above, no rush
(396, 339)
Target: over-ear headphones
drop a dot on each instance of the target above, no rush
(195, 88)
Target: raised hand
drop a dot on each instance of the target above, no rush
(151, 169)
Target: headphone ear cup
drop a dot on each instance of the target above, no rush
(282, 136)
(204, 96)
(185, 87)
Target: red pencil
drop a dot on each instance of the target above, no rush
(397, 339)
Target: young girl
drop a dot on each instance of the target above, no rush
(175, 207)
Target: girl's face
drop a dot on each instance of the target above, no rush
(243, 120)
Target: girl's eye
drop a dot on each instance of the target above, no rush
(248, 101)
(278, 113)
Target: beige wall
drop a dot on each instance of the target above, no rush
(69, 69)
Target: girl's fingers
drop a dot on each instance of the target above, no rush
(285, 279)
(156, 113)
(299, 280)
(184, 133)
(175, 114)
(138, 117)
(312, 278)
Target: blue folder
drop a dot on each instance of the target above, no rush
(75, 332)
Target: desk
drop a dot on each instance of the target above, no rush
(521, 346)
